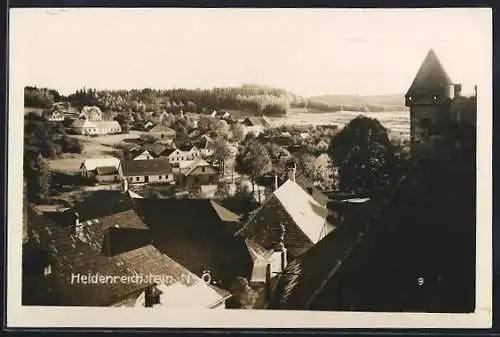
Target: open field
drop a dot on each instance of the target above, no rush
(396, 122)
(102, 146)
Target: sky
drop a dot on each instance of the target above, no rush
(307, 51)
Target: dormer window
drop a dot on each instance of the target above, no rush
(47, 270)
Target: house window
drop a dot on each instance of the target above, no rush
(47, 270)
(137, 178)
(203, 169)
(160, 177)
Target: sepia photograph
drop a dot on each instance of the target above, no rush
(284, 167)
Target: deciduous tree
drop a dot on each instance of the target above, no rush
(364, 155)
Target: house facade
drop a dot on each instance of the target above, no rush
(89, 128)
(305, 221)
(89, 166)
(199, 174)
(91, 113)
(54, 116)
(144, 155)
(184, 154)
(324, 167)
(107, 174)
(154, 171)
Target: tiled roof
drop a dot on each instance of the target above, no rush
(106, 170)
(162, 129)
(308, 186)
(107, 124)
(73, 256)
(83, 123)
(197, 233)
(155, 149)
(305, 220)
(431, 78)
(146, 167)
(208, 169)
(93, 163)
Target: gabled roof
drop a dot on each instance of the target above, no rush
(162, 129)
(322, 160)
(106, 170)
(186, 147)
(83, 123)
(146, 167)
(72, 255)
(304, 218)
(155, 149)
(431, 78)
(193, 168)
(198, 234)
(93, 163)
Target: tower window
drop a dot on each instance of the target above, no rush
(435, 97)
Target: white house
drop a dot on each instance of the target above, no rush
(206, 146)
(322, 145)
(54, 116)
(91, 113)
(87, 127)
(184, 153)
(323, 165)
(148, 171)
(144, 155)
(89, 166)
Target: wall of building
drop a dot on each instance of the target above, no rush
(166, 178)
(178, 156)
(108, 178)
(429, 125)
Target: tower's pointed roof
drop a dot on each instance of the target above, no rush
(430, 78)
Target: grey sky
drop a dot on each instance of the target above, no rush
(310, 52)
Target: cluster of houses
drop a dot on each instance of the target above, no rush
(89, 121)
(304, 249)
(123, 234)
(155, 163)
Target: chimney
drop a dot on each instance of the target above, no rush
(76, 227)
(458, 90)
(279, 247)
(291, 172)
(124, 187)
(475, 91)
(267, 289)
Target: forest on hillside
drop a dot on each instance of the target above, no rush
(254, 99)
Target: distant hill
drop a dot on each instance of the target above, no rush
(389, 101)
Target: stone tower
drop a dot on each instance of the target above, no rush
(429, 98)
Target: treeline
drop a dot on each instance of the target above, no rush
(255, 99)
(40, 97)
